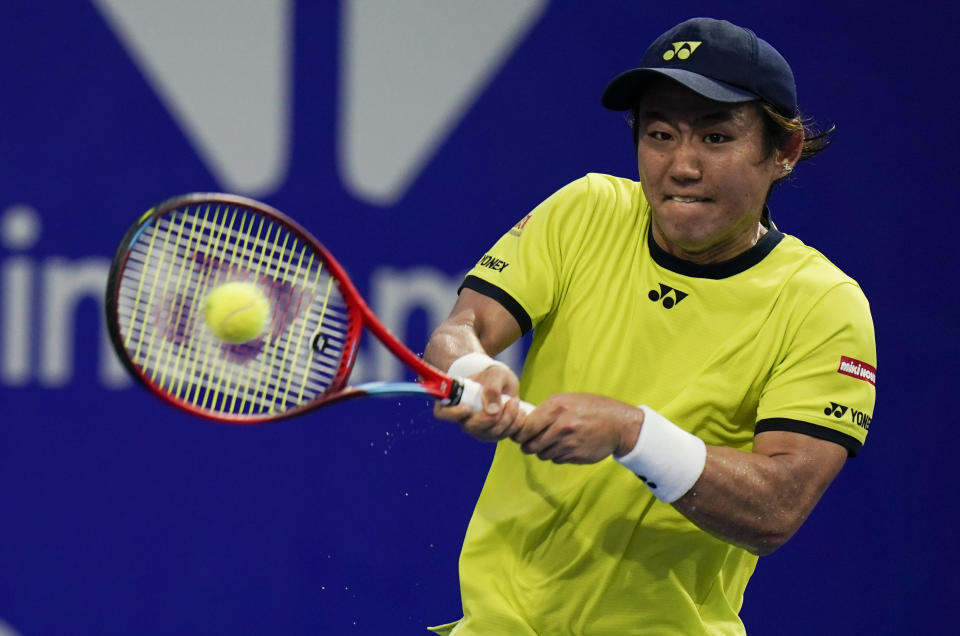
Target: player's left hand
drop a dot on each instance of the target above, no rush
(579, 428)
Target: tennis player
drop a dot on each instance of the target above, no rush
(701, 376)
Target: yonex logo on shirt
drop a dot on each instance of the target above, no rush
(681, 50)
(495, 264)
(859, 418)
(836, 410)
(665, 297)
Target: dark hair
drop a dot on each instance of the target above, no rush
(777, 131)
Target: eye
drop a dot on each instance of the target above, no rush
(659, 135)
(716, 138)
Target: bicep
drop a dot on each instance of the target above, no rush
(811, 463)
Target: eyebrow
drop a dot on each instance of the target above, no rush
(710, 118)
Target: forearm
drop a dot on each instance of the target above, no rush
(455, 337)
(741, 498)
(476, 324)
(754, 500)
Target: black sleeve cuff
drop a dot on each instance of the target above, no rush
(492, 291)
(806, 428)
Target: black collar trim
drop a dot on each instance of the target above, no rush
(715, 271)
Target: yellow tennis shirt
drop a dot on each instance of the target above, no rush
(776, 339)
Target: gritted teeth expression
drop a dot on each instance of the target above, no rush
(703, 168)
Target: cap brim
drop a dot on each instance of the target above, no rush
(624, 90)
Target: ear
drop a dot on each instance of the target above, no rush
(789, 154)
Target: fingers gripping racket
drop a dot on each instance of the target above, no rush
(299, 359)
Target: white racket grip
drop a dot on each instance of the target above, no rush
(473, 396)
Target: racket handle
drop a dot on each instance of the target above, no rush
(472, 395)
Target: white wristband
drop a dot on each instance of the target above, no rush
(471, 364)
(666, 458)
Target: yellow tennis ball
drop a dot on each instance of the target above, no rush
(236, 312)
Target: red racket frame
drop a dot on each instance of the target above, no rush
(432, 381)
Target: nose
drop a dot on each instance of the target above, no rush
(686, 165)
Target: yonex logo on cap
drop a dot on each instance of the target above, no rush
(736, 66)
(681, 50)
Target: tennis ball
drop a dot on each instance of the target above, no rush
(236, 312)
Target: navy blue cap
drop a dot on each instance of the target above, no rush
(714, 58)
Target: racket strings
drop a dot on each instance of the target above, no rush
(175, 261)
(209, 399)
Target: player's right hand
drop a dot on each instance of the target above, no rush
(499, 419)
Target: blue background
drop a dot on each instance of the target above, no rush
(120, 516)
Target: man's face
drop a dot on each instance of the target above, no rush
(704, 171)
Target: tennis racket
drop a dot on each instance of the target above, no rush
(181, 250)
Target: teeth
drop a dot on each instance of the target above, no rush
(686, 199)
